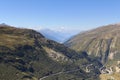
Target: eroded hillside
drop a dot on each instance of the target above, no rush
(102, 43)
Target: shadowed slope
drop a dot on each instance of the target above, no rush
(26, 54)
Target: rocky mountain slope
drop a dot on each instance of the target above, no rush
(102, 43)
(27, 55)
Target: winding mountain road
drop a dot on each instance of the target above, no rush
(59, 73)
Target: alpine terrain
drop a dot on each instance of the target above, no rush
(102, 43)
(27, 55)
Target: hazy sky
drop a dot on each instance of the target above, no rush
(72, 14)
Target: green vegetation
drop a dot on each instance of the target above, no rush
(23, 57)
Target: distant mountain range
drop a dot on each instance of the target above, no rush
(58, 36)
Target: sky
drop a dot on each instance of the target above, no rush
(60, 14)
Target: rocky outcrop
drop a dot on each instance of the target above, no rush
(102, 43)
(57, 56)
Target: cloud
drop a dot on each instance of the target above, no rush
(37, 28)
(66, 29)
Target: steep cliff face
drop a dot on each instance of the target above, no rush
(102, 43)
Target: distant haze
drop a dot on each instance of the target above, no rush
(60, 35)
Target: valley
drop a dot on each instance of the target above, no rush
(28, 55)
(59, 39)
(92, 55)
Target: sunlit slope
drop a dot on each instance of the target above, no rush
(102, 43)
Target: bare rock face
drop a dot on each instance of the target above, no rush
(102, 42)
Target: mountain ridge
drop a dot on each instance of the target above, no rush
(102, 43)
(27, 54)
